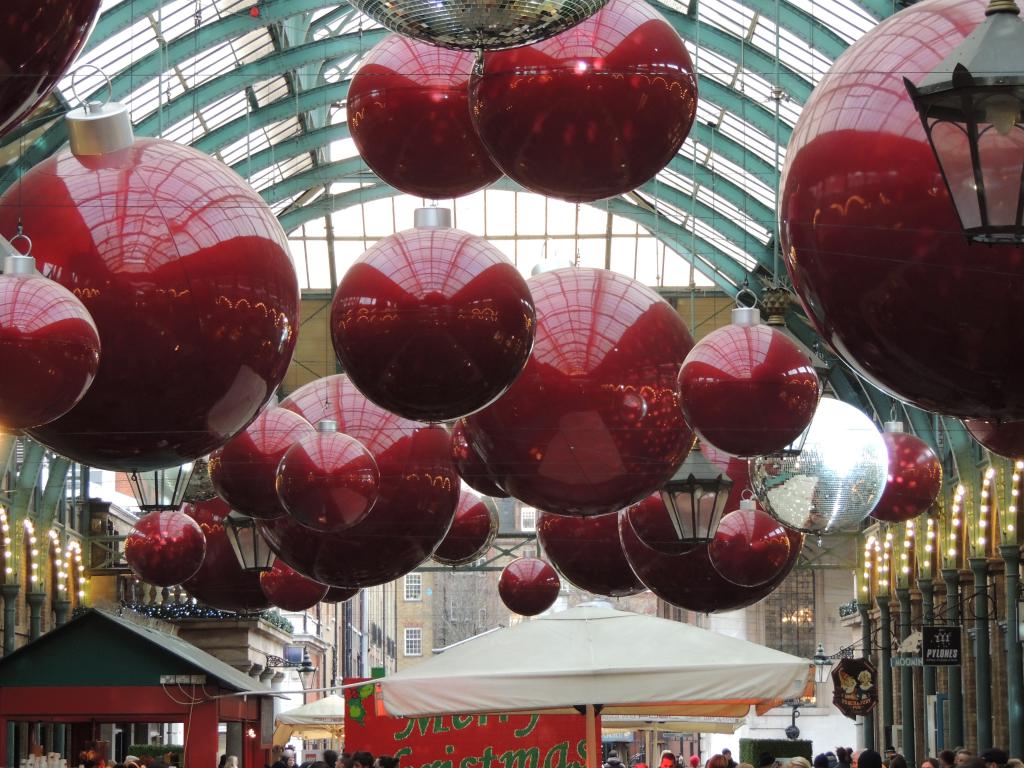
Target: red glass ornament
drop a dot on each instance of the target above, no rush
(593, 112)
(432, 323)
(408, 111)
(528, 586)
(244, 471)
(165, 548)
(41, 39)
(587, 552)
(1003, 438)
(220, 582)
(750, 547)
(914, 480)
(593, 423)
(328, 481)
(748, 389)
(290, 591)
(419, 490)
(873, 244)
(472, 532)
(470, 466)
(50, 348)
(339, 594)
(188, 277)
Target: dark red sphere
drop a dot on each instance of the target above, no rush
(328, 481)
(593, 112)
(528, 586)
(651, 523)
(1003, 438)
(873, 244)
(470, 466)
(472, 532)
(165, 548)
(914, 479)
(408, 111)
(750, 548)
(190, 284)
(587, 552)
(432, 323)
(748, 390)
(290, 591)
(220, 582)
(593, 423)
(50, 349)
(419, 490)
(41, 39)
(339, 594)
(244, 471)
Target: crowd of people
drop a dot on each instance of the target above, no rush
(329, 759)
(840, 758)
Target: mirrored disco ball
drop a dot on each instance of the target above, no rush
(836, 480)
(473, 25)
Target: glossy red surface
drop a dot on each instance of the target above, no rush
(244, 471)
(50, 347)
(873, 245)
(419, 490)
(328, 481)
(165, 548)
(528, 586)
(432, 323)
(750, 548)
(221, 582)
(1004, 438)
(748, 390)
(914, 480)
(593, 112)
(472, 532)
(586, 551)
(408, 111)
(470, 466)
(339, 594)
(290, 591)
(653, 526)
(41, 39)
(593, 423)
(188, 277)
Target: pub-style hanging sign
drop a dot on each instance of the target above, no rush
(855, 689)
(940, 646)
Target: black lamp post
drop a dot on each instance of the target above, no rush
(695, 498)
(970, 106)
(160, 489)
(251, 549)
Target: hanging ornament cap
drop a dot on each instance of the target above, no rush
(327, 425)
(15, 262)
(99, 129)
(748, 504)
(437, 218)
(746, 316)
(893, 426)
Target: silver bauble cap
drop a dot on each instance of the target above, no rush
(433, 217)
(99, 129)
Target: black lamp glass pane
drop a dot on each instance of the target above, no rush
(952, 147)
(1002, 157)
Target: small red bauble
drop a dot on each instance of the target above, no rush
(472, 532)
(587, 552)
(432, 323)
(747, 389)
(593, 112)
(220, 582)
(165, 548)
(914, 479)
(750, 547)
(408, 110)
(470, 466)
(328, 481)
(339, 594)
(244, 471)
(49, 345)
(528, 586)
(1003, 438)
(290, 591)
(593, 423)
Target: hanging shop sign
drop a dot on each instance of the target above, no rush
(941, 646)
(855, 684)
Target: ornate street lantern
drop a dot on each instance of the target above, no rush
(251, 549)
(160, 489)
(822, 665)
(306, 671)
(695, 498)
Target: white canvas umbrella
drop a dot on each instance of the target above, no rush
(320, 719)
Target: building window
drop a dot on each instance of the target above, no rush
(527, 519)
(414, 586)
(413, 641)
(789, 616)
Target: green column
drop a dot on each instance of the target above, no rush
(35, 601)
(61, 611)
(982, 659)
(907, 685)
(927, 617)
(955, 694)
(865, 637)
(1014, 665)
(10, 593)
(885, 666)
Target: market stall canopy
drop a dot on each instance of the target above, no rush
(320, 719)
(619, 724)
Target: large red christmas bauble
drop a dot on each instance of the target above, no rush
(747, 389)
(408, 110)
(432, 323)
(472, 532)
(593, 423)
(593, 112)
(653, 526)
(221, 582)
(244, 471)
(328, 481)
(587, 552)
(339, 594)
(1003, 438)
(188, 276)
(50, 348)
(165, 548)
(41, 39)
(419, 490)
(914, 479)
(528, 586)
(290, 591)
(750, 547)
(470, 466)
(873, 244)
